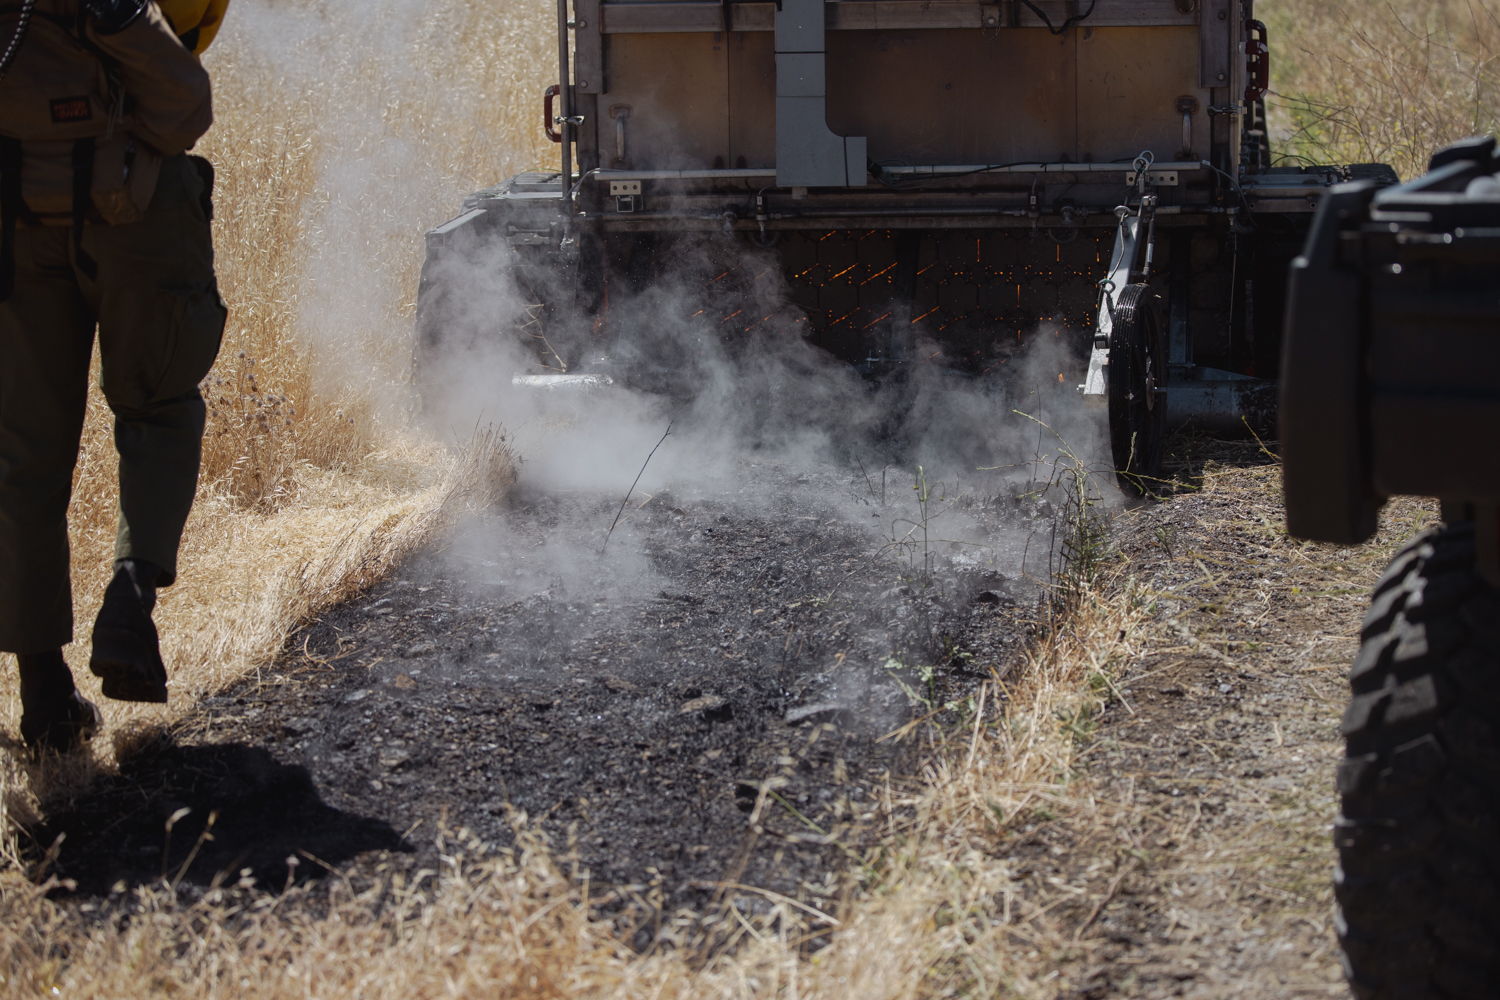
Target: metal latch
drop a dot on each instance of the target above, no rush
(1154, 178)
(625, 194)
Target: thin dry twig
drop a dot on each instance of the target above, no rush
(630, 492)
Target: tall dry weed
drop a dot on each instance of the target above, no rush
(342, 133)
(1381, 81)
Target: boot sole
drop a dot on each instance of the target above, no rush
(122, 684)
(117, 661)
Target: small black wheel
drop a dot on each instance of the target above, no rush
(1137, 387)
(1418, 836)
(439, 312)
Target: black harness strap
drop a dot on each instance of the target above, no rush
(83, 198)
(10, 212)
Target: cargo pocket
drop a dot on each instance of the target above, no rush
(193, 339)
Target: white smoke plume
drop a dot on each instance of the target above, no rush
(408, 105)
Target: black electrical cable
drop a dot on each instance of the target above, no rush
(15, 43)
(878, 170)
(1066, 24)
(1235, 187)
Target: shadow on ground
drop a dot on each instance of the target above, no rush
(263, 813)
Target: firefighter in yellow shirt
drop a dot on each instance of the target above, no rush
(195, 21)
(103, 226)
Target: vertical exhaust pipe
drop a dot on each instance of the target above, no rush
(565, 119)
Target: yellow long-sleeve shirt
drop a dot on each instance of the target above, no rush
(195, 21)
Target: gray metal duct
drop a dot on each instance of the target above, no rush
(808, 154)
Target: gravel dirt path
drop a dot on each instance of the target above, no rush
(1205, 867)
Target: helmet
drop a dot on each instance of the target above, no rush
(195, 21)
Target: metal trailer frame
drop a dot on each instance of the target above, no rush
(793, 118)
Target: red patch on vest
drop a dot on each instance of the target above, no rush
(66, 110)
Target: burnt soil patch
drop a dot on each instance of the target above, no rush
(708, 705)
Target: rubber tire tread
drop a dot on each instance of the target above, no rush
(1418, 835)
(1136, 319)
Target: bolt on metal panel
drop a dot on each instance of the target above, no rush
(800, 26)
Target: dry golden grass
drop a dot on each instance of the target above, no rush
(309, 470)
(312, 487)
(1381, 81)
(1198, 840)
(312, 482)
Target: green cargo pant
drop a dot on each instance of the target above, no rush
(160, 319)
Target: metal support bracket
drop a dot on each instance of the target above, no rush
(1154, 178)
(1095, 388)
(1215, 34)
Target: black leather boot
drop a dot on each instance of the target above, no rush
(127, 653)
(54, 716)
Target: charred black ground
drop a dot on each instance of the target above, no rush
(736, 658)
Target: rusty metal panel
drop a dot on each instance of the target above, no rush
(1129, 80)
(851, 15)
(1107, 13)
(955, 96)
(866, 15)
(752, 99)
(677, 88)
(703, 97)
(588, 47)
(1215, 38)
(697, 15)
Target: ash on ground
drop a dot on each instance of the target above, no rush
(709, 702)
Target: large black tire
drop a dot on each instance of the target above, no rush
(1137, 387)
(1418, 882)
